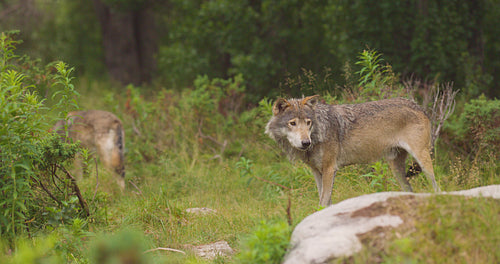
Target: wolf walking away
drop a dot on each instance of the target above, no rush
(328, 137)
(101, 132)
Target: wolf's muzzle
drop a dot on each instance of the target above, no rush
(306, 144)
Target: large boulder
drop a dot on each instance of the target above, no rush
(338, 230)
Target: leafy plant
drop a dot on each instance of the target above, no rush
(478, 128)
(245, 167)
(378, 176)
(267, 244)
(27, 148)
(376, 81)
(126, 246)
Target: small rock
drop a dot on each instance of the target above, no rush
(211, 251)
(201, 211)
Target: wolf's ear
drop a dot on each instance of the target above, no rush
(310, 100)
(280, 105)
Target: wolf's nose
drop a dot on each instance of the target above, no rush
(306, 143)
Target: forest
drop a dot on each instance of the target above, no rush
(193, 83)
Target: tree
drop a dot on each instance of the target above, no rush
(129, 39)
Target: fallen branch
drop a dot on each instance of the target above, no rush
(165, 249)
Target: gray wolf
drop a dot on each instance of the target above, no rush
(98, 131)
(328, 137)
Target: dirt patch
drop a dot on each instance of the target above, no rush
(393, 206)
(406, 207)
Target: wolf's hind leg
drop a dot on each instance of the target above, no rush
(397, 164)
(425, 162)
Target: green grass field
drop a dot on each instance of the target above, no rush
(197, 148)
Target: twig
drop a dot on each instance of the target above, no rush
(165, 249)
(223, 144)
(97, 179)
(54, 176)
(135, 186)
(438, 99)
(83, 204)
(442, 108)
(136, 130)
(47, 191)
(289, 208)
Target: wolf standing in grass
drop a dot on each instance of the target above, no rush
(328, 137)
(101, 132)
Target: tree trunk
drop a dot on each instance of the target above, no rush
(129, 42)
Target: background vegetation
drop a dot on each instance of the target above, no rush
(194, 116)
(170, 43)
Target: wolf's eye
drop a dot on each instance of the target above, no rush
(292, 123)
(309, 122)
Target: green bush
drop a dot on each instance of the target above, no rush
(126, 246)
(30, 156)
(478, 128)
(267, 244)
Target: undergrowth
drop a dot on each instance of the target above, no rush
(200, 147)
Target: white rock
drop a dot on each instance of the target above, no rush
(333, 232)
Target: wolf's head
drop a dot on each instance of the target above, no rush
(293, 120)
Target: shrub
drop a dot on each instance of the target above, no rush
(478, 128)
(267, 244)
(30, 156)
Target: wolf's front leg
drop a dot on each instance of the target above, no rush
(328, 178)
(319, 180)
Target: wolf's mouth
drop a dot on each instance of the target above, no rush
(305, 149)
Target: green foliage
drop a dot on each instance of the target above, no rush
(478, 128)
(24, 140)
(64, 213)
(380, 177)
(67, 31)
(37, 250)
(193, 122)
(309, 82)
(257, 40)
(20, 119)
(376, 81)
(267, 41)
(373, 74)
(245, 167)
(266, 244)
(126, 246)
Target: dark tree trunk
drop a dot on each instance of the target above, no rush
(129, 42)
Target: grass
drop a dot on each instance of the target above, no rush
(178, 161)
